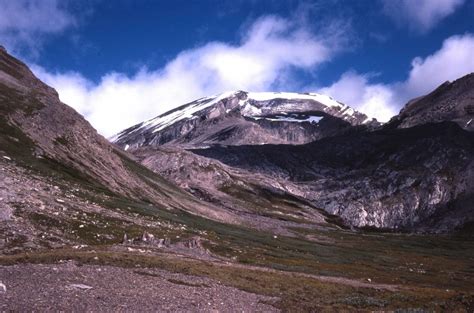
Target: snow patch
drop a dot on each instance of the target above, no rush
(187, 112)
(250, 110)
(310, 119)
(323, 99)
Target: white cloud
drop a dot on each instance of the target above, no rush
(420, 15)
(263, 60)
(24, 23)
(375, 100)
(453, 60)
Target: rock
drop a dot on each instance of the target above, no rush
(80, 286)
(3, 288)
(79, 246)
(147, 237)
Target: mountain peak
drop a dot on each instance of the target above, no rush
(242, 117)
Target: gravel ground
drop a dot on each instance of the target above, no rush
(69, 287)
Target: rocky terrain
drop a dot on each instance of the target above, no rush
(85, 225)
(66, 289)
(417, 179)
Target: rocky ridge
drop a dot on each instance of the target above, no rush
(452, 101)
(237, 118)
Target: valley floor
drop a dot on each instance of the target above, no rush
(120, 278)
(61, 250)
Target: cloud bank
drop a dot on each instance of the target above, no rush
(266, 58)
(24, 24)
(263, 61)
(375, 100)
(269, 51)
(453, 60)
(420, 15)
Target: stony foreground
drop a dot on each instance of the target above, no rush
(73, 287)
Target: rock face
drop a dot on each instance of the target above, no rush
(238, 118)
(452, 101)
(416, 179)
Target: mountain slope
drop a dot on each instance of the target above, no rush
(237, 118)
(39, 132)
(452, 101)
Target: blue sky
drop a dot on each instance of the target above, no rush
(121, 62)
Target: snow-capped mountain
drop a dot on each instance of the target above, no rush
(239, 117)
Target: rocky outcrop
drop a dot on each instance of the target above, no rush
(452, 101)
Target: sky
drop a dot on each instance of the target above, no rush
(121, 62)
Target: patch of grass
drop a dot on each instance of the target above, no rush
(386, 258)
(269, 203)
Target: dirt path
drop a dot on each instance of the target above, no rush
(328, 279)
